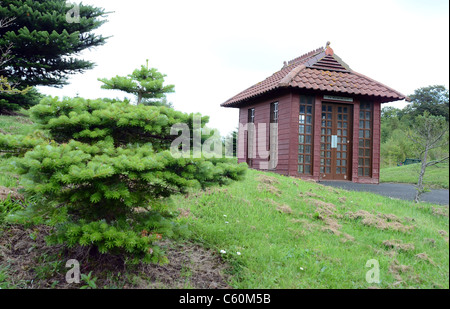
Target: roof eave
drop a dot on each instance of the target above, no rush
(239, 103)
(380, 98)
(400, 96)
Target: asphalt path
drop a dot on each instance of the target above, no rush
(393, 190)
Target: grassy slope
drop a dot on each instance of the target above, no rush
(297, 234)
(16, 125)
(435, 176)
(12, 125)
(331, 249)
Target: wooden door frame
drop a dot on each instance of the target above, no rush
(350, 137)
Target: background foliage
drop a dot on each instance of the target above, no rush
(395, 124)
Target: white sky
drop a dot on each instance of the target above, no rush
(212, 50)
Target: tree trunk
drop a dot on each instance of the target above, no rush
(419, 187)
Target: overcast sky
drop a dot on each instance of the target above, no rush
(212, 50)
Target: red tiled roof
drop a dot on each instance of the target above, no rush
(319, 70)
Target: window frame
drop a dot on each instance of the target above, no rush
(365, 140)
(250, 119)
(274, 112)
(306, 122)
(251, 115)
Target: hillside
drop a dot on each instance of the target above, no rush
(267, 231)
(297, 234)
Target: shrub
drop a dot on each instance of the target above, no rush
(9, 206)
(110, 173)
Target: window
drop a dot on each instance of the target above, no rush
(326, 139)
(273, 136)
(251, 115)
(274, 112)
(250, 137)
(365, 140)
(305, 135)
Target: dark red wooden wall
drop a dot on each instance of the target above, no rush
(288, 134)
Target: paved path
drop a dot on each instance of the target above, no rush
(394, 190)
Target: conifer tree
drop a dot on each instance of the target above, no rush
(43, 39)
(106, 175)
(145, 83)
(6, 87)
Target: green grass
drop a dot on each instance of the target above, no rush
(435, 176)
(5, 281)
(20, 125)
(296, 234)
(6, 180)
(16, 125)
(287, 240)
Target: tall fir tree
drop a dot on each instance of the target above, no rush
(6, 87)
(44, 38)
(147, 84)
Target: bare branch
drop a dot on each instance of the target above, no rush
(6, 22)
(412, 138)
(437, 161)
(5, 55)
(438, 141)
(429, 133)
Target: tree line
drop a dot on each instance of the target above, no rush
(398, 126)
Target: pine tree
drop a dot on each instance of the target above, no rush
(145, 83)
(6, 87)
(43, 42)
(106, 175)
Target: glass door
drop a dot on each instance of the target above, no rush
(335, 143)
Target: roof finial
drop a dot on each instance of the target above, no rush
(285, 64)
(328, 50)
